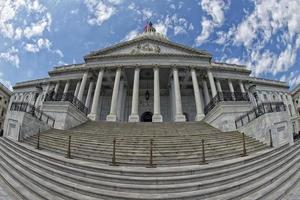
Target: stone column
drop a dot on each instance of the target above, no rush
(46, 91)
(120, 100)
(157, 117)
(89, 95)
(82, 86)
(212, 84)
(206, 93)
(219, 86)
(242, 87)
(199, 107)
(95, 104)
(179, 117)
(56, 90)
(134, 116)
(231, 89)
(114, 100)
(67, 86)
(77, 89)
(66, 89)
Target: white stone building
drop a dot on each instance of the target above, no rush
(296, 99)
(5, 94)
(152, 79)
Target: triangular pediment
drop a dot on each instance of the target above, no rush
(147, 46)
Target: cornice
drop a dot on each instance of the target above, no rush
(139, 39)
(5, 89)
(147, 55)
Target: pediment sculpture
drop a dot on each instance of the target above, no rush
(145, 48)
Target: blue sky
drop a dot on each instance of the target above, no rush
(36, 35)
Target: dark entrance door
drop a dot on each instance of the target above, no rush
(146, 117)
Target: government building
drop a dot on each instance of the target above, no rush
(151, 119)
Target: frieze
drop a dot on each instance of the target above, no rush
(146, 48)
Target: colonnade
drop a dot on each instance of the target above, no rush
(215, 86)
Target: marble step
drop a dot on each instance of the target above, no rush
(66, 188)
(175, 186)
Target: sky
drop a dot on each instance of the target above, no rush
(37, 35)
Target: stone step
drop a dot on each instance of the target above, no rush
(174, 187)
(64, 187)
(22, 186)
(136, 148)
(151, 172)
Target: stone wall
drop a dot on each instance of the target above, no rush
(278, 122)
(223, 115)
(65, 114)
(20, 125)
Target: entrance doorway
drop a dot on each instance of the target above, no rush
(146, 117)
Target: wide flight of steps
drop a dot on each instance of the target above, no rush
(174, 144)
(36, 174)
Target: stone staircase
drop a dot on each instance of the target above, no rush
(35, 174)
(175, 144)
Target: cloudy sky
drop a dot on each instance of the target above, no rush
(36, 35)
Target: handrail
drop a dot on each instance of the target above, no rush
(266, 107)
(67, 97)
(225, 96)
(35, 112)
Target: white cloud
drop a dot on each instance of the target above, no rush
(215, 10)
(59, 52)
(40, 44)
(147, 13)
(161, 28)
(132, 34)
(11, 56)
(100, 10)
(37, 29)
(179, 30)
(9, 10)
(271, 20)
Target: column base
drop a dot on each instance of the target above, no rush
(134, 118)
(92, 116)
(199, 117)
(157, 118)
(180, 118)
(111, 118)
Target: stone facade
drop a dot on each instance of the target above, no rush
(150, 78)
(5, 94)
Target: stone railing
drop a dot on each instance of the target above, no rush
(261, 109)
(35, 112)
(67, 97)
(226, 96)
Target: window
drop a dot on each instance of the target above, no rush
(2, 113)
(274, 97)
(265, 96)
(5, 102)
